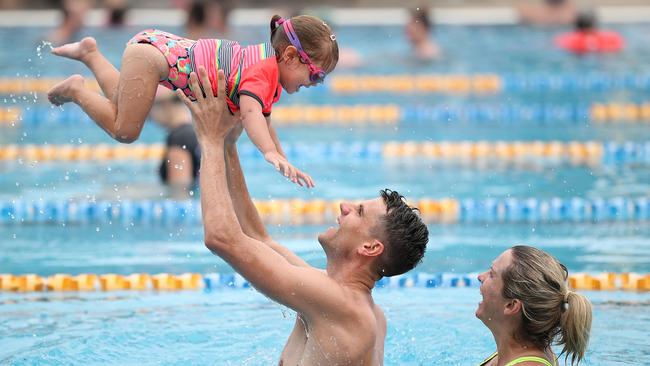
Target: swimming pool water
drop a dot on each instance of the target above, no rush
(465, 248)
(235, 327)
(241, 327)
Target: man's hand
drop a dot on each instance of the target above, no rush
(208, 110)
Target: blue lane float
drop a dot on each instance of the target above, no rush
(215, 281)
(293, 212)
(463, 152)
(561, 114)
(496, 113)
(593, 82)
(170, 282)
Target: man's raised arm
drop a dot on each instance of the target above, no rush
(247, 214)
(303, 289)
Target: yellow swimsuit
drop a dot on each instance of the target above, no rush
(519, 360)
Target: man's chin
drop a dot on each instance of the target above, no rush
(326, 235)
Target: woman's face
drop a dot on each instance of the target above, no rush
(491, 309)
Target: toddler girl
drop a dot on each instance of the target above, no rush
(301, 52)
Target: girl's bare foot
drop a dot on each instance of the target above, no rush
(64, 91)
(77, 50)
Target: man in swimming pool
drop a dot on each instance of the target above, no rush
(338, 322)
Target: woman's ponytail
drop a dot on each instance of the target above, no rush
(551, 312)
(575, 325)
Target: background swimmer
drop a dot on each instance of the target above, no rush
(588, 38)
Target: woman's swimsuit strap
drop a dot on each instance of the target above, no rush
(518, 360)
(529, 358)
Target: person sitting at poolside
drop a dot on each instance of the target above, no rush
(74, 14)
(338, 322)
(587, 38)
(550, 12)
(179, 168)
(528, 306)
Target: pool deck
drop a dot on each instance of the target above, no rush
(468, 15)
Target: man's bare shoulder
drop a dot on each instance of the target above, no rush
(362, 308)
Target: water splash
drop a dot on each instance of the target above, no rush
(45, 45)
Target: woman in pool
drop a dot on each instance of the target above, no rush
(528, 306)
(301, 53)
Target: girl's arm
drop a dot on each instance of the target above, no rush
(302, 176)
(255, 124)
(258, 131)
(274, 137)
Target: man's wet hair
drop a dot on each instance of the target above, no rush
(403, 234)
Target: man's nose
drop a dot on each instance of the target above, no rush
(345, 209)
(481, 277)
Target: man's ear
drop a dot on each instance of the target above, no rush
(372, 248)
(512, 307)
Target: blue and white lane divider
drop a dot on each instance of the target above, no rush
(455, 152)
(560, 114)
(487, 83)
(85, 282)
(296, 212)
(558, 82)
(214, 281)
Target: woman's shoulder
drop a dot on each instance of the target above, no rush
(487, 361)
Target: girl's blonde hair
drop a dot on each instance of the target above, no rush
(316, 38)
(551, 312)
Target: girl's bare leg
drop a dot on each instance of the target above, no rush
(87, 52)
(123, 113)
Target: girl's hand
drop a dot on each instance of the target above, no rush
(283, 166)
(304, 179)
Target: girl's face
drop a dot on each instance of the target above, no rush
(293, 73)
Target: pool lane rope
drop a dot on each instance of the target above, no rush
(546, 114)
(319, 212)
(488, 83)
(606, 281)
(591, 153)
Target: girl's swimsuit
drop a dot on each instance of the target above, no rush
(251, 70)
(519, 360)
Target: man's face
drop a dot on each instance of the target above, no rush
(354, 226)
(491, 309)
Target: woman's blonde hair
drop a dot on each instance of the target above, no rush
(316, 39)
(551, 312)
